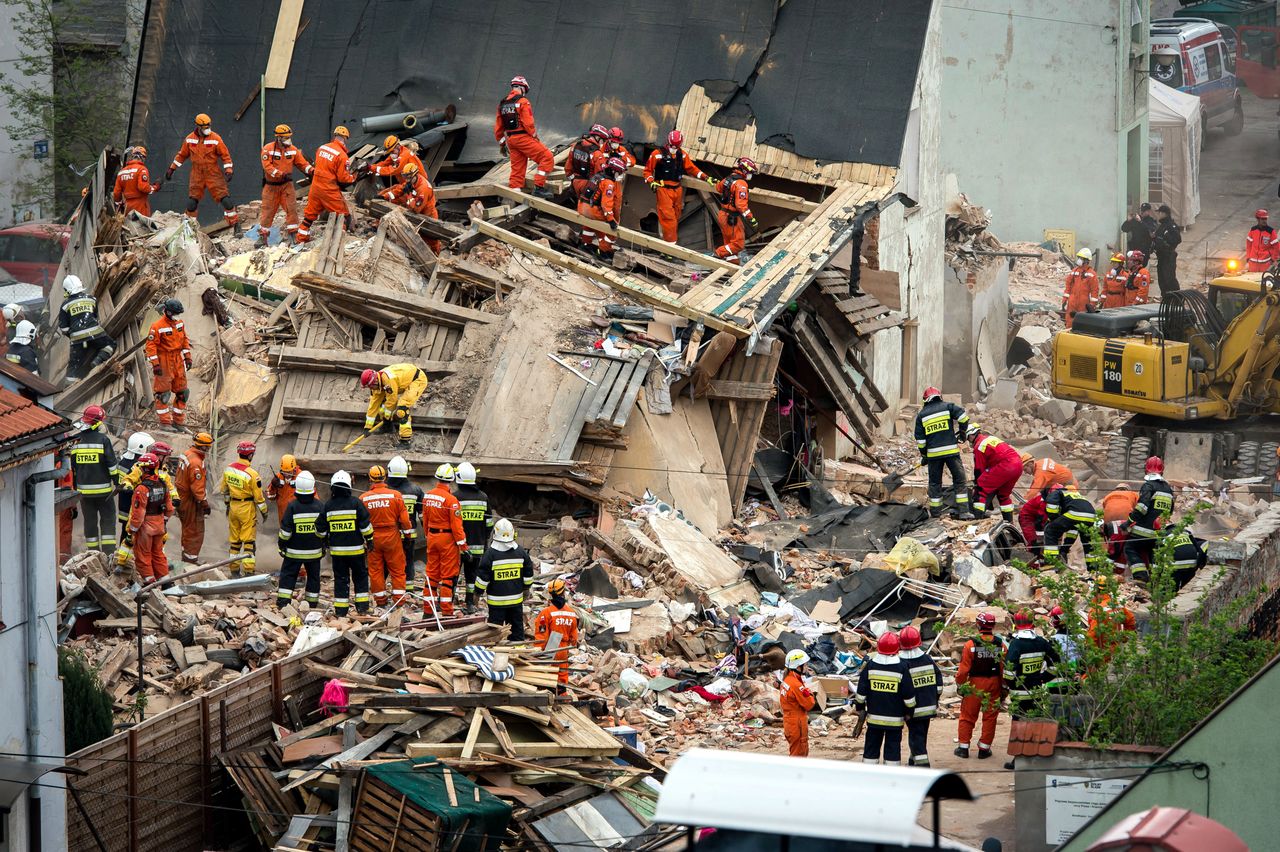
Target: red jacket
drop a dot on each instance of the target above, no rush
(524, 112)
(990, 452)
(1032, 517)
(1261, 247)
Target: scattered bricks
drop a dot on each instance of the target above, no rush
(1057, 411)
(569, 529)
(1004, 395)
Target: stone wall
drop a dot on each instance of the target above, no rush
(1251, 562)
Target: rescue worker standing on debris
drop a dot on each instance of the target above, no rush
(279, 158)
(982, 670)
(477, 523)
(22, 350)
(414, 193)
(504, 576)
(301, 542)
(93, 462)
(1029, 662)
(797, 699)
(393, 392)
(412, 494)
(150, 510)
(601, 200)
(1137, 281)
(586, 157)
(926, 679)
(885, 694)
(391, 527)
(169, 352)
(514, 130)
(560, 619)
(446, 539)
(242, 497)
(1152, 511)
(330, 173)
(127, 481)
(78, 322)
(207, 152)
(1071, 516)
(1262, 245)
(282, 487)
(1113, 284)
(662, 173)
(733, 198)
(997, 467)
(344, 525)
(1081, 291)
(193, 504)
(133, 187)
(938, 424)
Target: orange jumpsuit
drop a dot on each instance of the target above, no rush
(797, 700)
(1118, 505)
(514, 125)
(985, 674)
(1261, 248)
(278, 191)
(601, 200)
(622, 152)
(206, 153)
(1113, 292)
(133, 188)
(418, 197)
(193, 501)
(1048, 472)
(562, 620)
(1137, 287)
(1081, 291)
(666, 166)
(391, 526)
(281, 489)
(169, 350)
(329, 172)
(1108, 623)
(734, 208)
(586, 157)
(66, 521)
(442, 520)
(151, 507)
(395, 161)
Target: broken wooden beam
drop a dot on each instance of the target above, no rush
(425, 225)
(755, 391)
(446, 700)
(344, 361)
(331, 411)
(413, 305)
(764, 197)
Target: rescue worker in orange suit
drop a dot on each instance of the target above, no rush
(662, 173)
(133, 186)
(396, 156)
(414, 192)
(169, 352)
(281, 487)
(886, 697)
(150, 510)
(1113, 282)
(193, 503)
(601, 200)
(446, 540)
(735, 207)
(211, 170)
(391, 526)
(797, 699)
(997, 467)
(982, 670)
(618, 147)
(241, 497)
(514, 130)
(128, 482)
(586, 157)
(67, 517)
(1081, 290)
(1262, 245)
(1137, 282)
(1109, 620)
(1047, 472)
(1117, 505)
(560, 619)
(330, 173)
(279, 158)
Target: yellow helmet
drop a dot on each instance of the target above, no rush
(409, 170)
(390, 142)
(556, 587)
(203, 120)
(284, 130)
(288, 463)
(377, 473)
(203, 440)
(342, 131)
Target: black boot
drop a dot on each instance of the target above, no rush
(983, 753)
(541, 192)
(962, 751)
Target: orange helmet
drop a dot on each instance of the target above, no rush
(556, 587)
(284, 130)
(139, 152)
(377, 473)
(390, 142)
(409, 170)
(341, 130)
(288, 463)
(203, 120)
(203, 440)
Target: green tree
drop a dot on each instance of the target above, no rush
(86, 705)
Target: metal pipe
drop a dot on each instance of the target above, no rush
(31, 631)
(408, 120)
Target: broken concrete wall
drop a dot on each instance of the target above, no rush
(975, 348)
(1252, 573)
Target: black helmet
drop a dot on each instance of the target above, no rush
(172, 307)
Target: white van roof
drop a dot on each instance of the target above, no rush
(1183, 29)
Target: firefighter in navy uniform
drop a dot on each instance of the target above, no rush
(1029, 664)
(504, 575)
(477, 523)
(885, 694)
(1189, 556)
(1154, 506)
(78, 322)
(925, 679)
(412, 494)
(1071, 516)
(301, 541)
(939, 425)
(93, 462)
(348, 535)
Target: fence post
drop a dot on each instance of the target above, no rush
(206, 769)
(277, 694)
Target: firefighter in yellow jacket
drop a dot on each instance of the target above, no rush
(393, 391)
(242, 495)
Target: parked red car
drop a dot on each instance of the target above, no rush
(31, 253)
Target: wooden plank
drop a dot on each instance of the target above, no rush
(628, 402)
(342, 841)
(720, 389)
(313, 730)
(346, 361)
(764, 197)
(423, 701)
(282, 42)
(352, 413)
(385, 298)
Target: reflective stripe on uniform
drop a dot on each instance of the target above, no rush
(503, 600)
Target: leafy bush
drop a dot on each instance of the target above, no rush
(86, 705)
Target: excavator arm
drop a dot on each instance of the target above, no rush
(1248, 356)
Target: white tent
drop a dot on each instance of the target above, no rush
(1175, 140)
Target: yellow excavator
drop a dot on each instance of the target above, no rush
(1200, 372)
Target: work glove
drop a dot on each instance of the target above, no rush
(755, 223)
(156, 370)
(369, 423)
(206, 508)
(401, 414)
(155, 187)
(711, 182)
(229, 173)
(657, 184)
(368, 543)
(186, 362)
(128, 538)
(164, 537)
(503, 148)
(226, 506)
(280, 550)
(263, 512)
(168, 175)
(75, 513)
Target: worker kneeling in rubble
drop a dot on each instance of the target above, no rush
(1071, 516)
(997, 467)
(504, 575)
(393, 392)
(414, 193)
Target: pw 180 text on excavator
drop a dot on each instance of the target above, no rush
(1200, 372)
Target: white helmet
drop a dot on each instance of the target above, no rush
(305, 483)
(444, 472)
(398, 467)
(465, 474)
(140, 442)
(341, 478)
(12, 311)
(504, 532)
(72, 285)
(1085, 254)
(796, 658)
(25, 332)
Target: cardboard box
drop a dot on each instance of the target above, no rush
(833, 691)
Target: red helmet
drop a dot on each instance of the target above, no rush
(161, 450)
(909, 636)
(599, 131)
(675, 139)
(615, 133)
(246, 449)
(930, 392)
(1155, 464)
(1260, 213)
(1136, 256)
(148, 461)
(615, 164)
(746, 164)
(93, 415)
(1056, 614)
(888, 643)
(368, 378)
(1022, 620)
(986, 621)
(520, 81)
